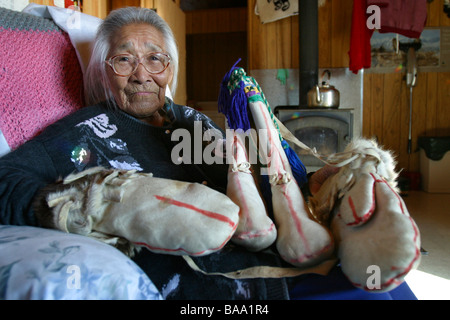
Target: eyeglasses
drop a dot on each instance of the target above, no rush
(125, 65)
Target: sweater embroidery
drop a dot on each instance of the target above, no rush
(97, 138)
(100, 125)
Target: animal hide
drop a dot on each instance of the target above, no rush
(302, 241)
(113, 205)
(256, 231)
(362, 157)
(368, 218)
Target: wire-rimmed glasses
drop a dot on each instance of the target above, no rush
(125, 65)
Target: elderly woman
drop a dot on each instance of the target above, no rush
(128, 125)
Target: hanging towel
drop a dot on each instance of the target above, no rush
(273, 10)
(404, 17)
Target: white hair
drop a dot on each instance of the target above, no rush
(96, 82)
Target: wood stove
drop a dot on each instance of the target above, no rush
(329, 131)
(343, 123)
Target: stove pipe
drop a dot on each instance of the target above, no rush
(309, 48)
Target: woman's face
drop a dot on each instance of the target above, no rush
(141, 94)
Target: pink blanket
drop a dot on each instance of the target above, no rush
(40, 76)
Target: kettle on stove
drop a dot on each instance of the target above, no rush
(325, 95)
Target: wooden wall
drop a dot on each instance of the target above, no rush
(386, 98)
(216, 39)
(386, 104)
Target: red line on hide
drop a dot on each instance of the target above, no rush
(298, 224)
(151, 248)
(404, 271)
(253, 234)
(273, 148)
(400, 203)
(352, 206)
(397, 279)
(209, 214)
(243, 205)
(368, 214)
(238, 144)
(266, 121)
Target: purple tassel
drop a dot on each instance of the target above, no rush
(224, 100)
(234, 105)
(238, 108)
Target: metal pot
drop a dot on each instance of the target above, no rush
(325, 95)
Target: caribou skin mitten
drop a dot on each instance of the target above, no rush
(133, 210)
(378, 241)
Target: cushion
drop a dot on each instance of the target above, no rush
(40, 77)
(43, 264)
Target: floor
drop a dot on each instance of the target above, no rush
(432, 215)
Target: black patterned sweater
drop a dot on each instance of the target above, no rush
(100, 136)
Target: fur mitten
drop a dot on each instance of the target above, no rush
(130, 209)
(368, 218)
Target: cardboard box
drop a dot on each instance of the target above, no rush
(435, 174)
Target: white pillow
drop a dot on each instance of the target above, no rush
(42, 264)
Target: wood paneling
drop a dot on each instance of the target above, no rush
(386, 97)
(43, 2)
(216, 21)
(216, 39)
(170, 11)
(203, 76)
(97, 8)
(275, 45)
(116, 4)
(386, 111)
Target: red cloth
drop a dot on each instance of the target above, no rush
(404, 17)
(360, 49)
